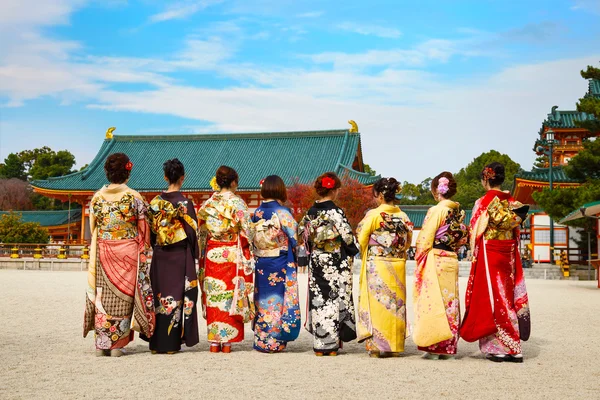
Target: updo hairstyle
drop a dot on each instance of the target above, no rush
(173, 170)
(446, 189)
(494, 174)
(324, 191)
(388, 187)
(273, 187)
(115, 168)
(226, 176)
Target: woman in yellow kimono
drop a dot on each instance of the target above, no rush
(435, 294)
(384, 235)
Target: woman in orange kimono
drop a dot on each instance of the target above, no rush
(227, 264)
(497, 307)
(119, 295)
(435, 295)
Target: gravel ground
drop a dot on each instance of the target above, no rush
(43, 354)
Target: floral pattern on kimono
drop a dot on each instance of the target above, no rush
(119, 295)
(327, 236)
(174, 276)
(384, 235)
(435, 295)
(277, 318)
(499, 319)
(226, 266)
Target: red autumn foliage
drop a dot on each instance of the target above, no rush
(15, 194)
(354, 198)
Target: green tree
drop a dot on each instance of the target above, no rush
(370, 170)
(14, 230)
(420, 194)
(468, 179)
(12, 167)
(48, 165)
(590, 104)
(29, 157)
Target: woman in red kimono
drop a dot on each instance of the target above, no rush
(227, 264)
(497, 309)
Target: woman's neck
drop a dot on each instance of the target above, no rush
(173, 188)
(324, 199)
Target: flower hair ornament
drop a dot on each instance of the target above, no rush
(214, 185)
(488, 173)
(328, 183)
(442, 187)
(129, 166)
(261, 182)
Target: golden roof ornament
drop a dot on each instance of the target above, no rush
(354, 128)
(109, 132)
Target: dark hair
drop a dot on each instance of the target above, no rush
(116, 168)
(173, 170)
(226, 176)
(323, 191)
(493, 173)
(388, 187)
(451, 184)
(273, 187)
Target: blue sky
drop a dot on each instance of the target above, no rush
(431, 84)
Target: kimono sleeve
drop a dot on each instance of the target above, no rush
(364, 230)
(289, 226)
(191, 232)
(426, 237)
(345, 230)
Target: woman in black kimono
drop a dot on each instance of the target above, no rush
(327, 236)
(173, 270)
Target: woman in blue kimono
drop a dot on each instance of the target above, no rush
(277, 318)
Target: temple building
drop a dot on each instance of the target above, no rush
(61, 224)
(568, 142)
(295, 156)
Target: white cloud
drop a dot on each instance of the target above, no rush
(25, 13)
(592, 6)
(182, 9)
(370, 30)
(421, 119)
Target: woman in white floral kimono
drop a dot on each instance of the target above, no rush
(327, 236)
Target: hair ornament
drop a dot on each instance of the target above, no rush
(328, 183)
(214, 185)
(488, 173)
(261, 182)
(129, 166)
(442, 187)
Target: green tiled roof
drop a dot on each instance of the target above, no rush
(542, 175)
(291, 155)
(565, 119)
(49, 218)
(594, 86)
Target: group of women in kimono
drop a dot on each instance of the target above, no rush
(242, 267)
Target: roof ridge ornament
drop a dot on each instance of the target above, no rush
(555, 114)
(109, 132)
(354, 128)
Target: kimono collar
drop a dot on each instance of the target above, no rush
(386, 208)
(324, 205)
(115, 190)
(270, 204)
(449, 204)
